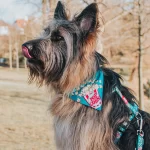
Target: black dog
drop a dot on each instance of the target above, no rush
(65, 59)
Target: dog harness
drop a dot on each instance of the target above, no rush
(90, 94)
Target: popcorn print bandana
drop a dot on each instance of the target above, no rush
(91, 92)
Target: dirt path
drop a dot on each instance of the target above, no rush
(25, 122)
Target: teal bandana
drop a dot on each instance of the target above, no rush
(90, 93)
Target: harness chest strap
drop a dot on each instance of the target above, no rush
(135, 113)
(122, 128)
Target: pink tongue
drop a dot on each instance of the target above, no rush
(26, 52)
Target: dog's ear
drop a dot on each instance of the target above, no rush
(60, 12)
(87, 19)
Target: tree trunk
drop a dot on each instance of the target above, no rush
(10, 53)
(43, 11)
(134, 69)
(140, 72)
(52, 5)
(17, 56)
(25, 63)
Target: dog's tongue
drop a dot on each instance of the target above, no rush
(25, 52)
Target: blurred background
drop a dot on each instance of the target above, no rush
(25, 121)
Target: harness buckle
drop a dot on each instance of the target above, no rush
(140, 124)
(139, 120)
(138, 116)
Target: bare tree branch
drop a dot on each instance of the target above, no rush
(84, 1)
(145, 48)
(145, 32)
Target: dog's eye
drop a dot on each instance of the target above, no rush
(46, 30)
(56, 38)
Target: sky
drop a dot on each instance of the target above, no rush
(10, 10)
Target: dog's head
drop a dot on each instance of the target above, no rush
(63, 43)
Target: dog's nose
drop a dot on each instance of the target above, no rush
(29, 46)
(26, 48)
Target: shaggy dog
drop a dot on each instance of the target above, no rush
(64, 57)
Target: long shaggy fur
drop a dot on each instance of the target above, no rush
(63, 58)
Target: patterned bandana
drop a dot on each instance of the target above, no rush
(91, 92)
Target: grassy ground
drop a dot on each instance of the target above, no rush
(25, 122)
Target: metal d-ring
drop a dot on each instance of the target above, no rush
(140, 132)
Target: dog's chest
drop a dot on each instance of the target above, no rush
(81, 134)
(66, 134)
